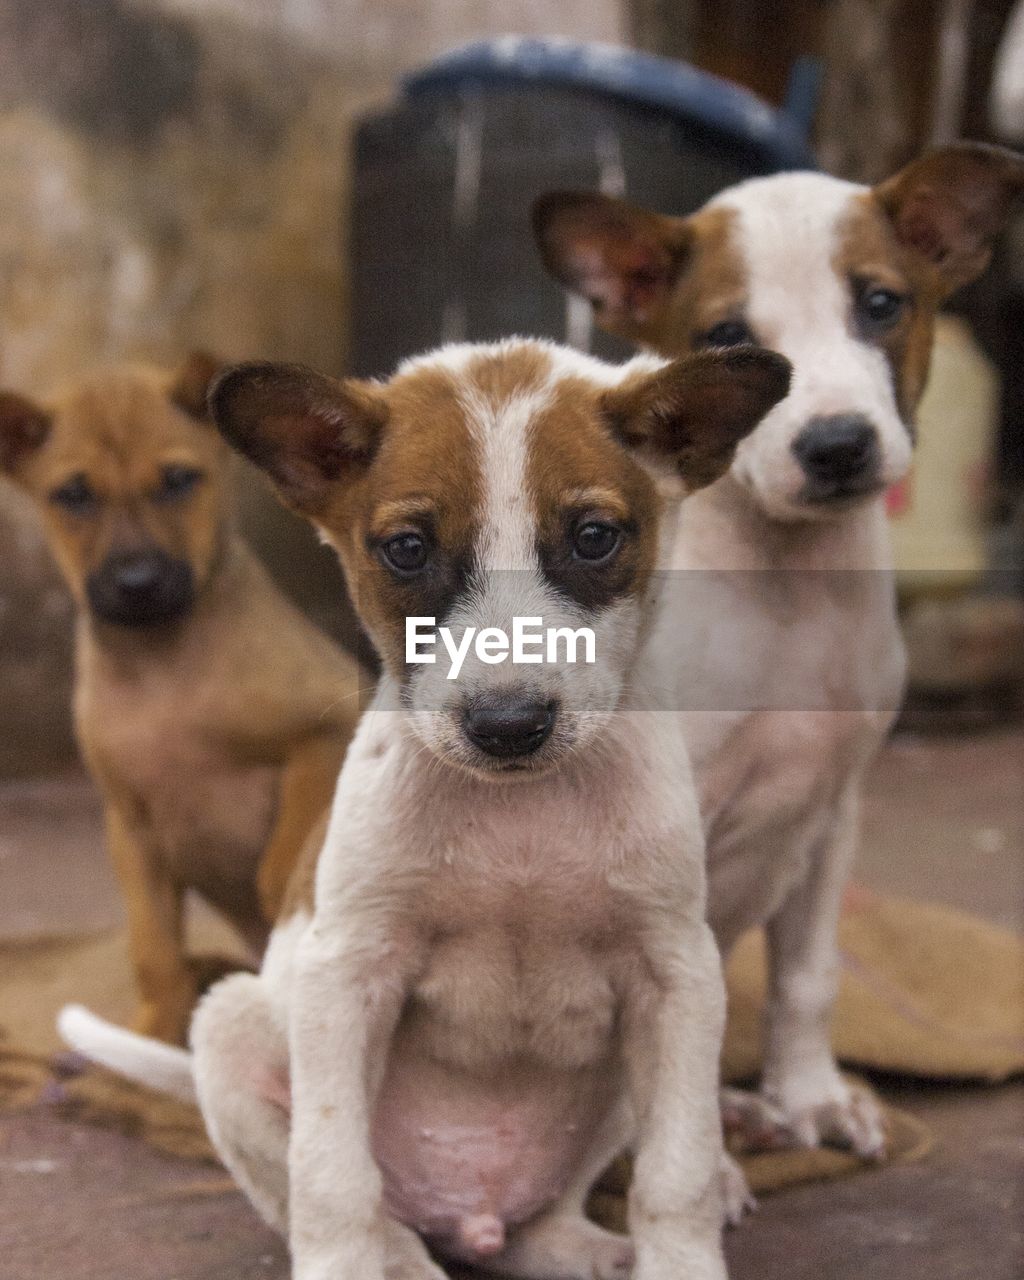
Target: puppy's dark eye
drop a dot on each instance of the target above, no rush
(406, 553)
(177, 480)
(596, 541)
(76, 496)
(729, 333)
(879, 309)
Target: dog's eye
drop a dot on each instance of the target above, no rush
(177, 480)
(879, 309)
(75, 496)
(406, 553)
(729, 333)
(596, 541)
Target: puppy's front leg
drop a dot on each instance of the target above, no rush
(348, 993)
(672, 1034)
(153, 905)
(800, 1075)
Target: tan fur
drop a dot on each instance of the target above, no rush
(710, 286)
(215, 739)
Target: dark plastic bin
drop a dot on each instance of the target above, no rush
(441, 244)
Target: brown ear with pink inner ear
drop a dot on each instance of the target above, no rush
(23, 429)
(949, 205)
(695, 411)
(306, 431)
(623, 259)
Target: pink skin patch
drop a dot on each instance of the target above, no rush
(441, 1180)
(275, 1087)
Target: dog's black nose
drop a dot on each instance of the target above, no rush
(838, 452)
(141, 588)
(138, 575)
(509, 723)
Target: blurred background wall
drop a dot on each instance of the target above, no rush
(173, 173)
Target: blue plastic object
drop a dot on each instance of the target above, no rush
(673, 87)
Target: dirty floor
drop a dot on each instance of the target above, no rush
(944, 821)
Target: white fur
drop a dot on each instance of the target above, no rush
(788, 231)
(565, 362)
(790, 659)
(508, 581)
(158, 1066)
(532, 941)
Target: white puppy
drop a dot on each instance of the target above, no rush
(497, 975)
(788, 652)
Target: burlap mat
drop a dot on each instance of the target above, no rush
(926, 991)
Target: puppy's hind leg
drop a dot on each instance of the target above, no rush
(240, 1058)
(562, 1243)
(241, 1071)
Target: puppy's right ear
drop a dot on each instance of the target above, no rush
(950, 204)
(306, 431)
(624, 260)
(23, 428)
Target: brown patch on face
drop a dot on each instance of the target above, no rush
(112, 441)
(499, 378)
(870, 255)
(577, 473)
(710, 290)
(425, 477)
(658, 280)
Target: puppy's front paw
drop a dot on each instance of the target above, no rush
(848, 1116)
(831, 1113)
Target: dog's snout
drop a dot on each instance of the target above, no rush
(509, 724)
(838, 451)
(141, 588)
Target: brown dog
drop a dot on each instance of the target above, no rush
(214, 717)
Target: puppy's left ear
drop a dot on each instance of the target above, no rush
(190, 385)
(949, 205)
(23, 429)
(694, 412)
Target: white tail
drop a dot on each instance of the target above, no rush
(149, 1062)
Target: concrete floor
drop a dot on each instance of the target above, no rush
(943, 821)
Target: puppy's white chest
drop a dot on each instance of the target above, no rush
(491, 995)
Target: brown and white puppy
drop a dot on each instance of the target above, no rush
(793, 642)
(498, 973)
(211, 714)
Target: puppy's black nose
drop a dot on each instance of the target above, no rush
(140, 588)
(139, 575)
(509, 723)
(838, 451)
